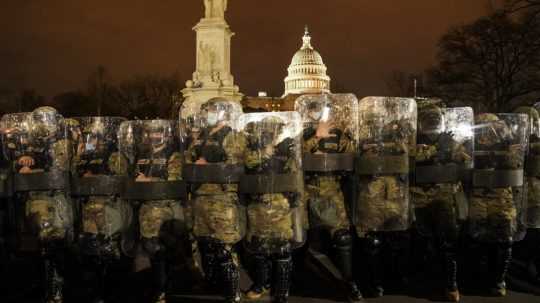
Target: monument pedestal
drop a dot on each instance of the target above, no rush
(212, 77)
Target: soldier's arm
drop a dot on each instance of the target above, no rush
(234, 145)
(460, 154)
(60, 155)
(310, 145)
(118, 164)
(174, 167)
(425, 152)
(346, 143)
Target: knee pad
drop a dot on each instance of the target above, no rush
(342, 238)
(372, 244)
(152, 246)
(217, 249)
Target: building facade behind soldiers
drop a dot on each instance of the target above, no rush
(306, 75)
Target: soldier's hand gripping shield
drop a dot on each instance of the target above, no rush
(99, 175)
(273, 182)
(387, 135)
(214, 164)
(330, 134)
(532, 166)
(37, 145)
(497, 210)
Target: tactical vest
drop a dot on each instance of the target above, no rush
(155, 164)
(96, 163)
(210, 146)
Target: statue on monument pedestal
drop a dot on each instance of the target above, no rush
(215, 8)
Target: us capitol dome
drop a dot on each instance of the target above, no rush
(307, 72)
(306, 75)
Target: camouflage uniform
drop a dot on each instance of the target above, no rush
(47, 217)
(439, 202)
(531, 243)
(324, 188)
(271, 212)
(218, 222)
(105, 216)
(382, 210)
(493, 210)
(158, 159)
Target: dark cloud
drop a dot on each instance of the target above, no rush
(53, 45)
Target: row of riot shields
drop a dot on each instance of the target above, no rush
(390, 144)
(218, 152)
(74, 176)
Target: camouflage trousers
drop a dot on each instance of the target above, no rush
(383, 205)
(105, 216)
(533, 202)
(438, 209)
(326, 204)
(160, 219)
(492, 215)
(270, 222)
(49, 216)
(219, 217)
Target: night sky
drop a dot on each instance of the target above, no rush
(53, 45)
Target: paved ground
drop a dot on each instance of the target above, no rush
(312, 285)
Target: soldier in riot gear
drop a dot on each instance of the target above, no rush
(37, 145)
(329, 144)
(531, 243)
(272, 188)
(98, 170)
(496, 212)
(213, 167)
(443, 155)
(157, 191)
(381, 211)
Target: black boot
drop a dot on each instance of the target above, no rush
(208, 263)
(261, 283)
(450, 268)
(500, 262)
(344, 261)
(282, 278)
(231, 281)
(372, 249)
(159, 273)
(54, 281)
(94, 272)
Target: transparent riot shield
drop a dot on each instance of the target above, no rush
(387, 135)
(497, 212)
(444, 145)
(99, 175)
(214, 164)
(154, 150)
(329, 144)
(532, 166)
(444, 162)
(273, 181)
(37, 145)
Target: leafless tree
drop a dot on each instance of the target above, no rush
(492, 64)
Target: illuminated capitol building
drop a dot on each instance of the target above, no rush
(213, 78)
